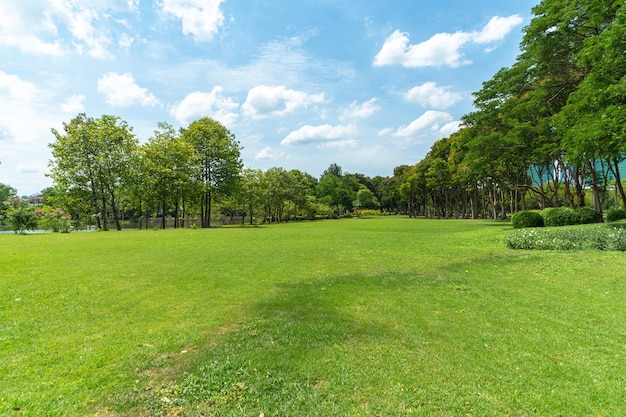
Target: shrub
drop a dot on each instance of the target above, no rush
(56, 220)
(614, 215)
(599, 237)
(559, 216)
(523, 219)
(587, 215)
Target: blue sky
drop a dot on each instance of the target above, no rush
(366, 84)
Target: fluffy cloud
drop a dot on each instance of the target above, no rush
(323, 134)
(431, 95)
(17, 88)
(431, 122)
(121, 90)
(442, 48)
(265, 154)
(27, 32)
(201, 19)
(264, 101)
(73, 104)
(360, 111)
(38, 26)
(201, 104)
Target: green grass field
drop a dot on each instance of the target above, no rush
(357, 317)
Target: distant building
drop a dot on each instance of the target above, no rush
(35, 200)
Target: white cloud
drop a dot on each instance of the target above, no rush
(442, 48)
(431, 122)
(264, 101)
(431, 95)
(25, 31)
(121, 90)
(360, 111)
(386, 131)
(320, 134)
(73, 104)
(201, 104)
(450, 128)
(18, 88)
(265, 154)
(80, 24)
(41, 27)
(200, 18)
(497, 29)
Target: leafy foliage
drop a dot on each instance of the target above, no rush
(20, 217)
(559, 216)
(614, 215)
(523, 219)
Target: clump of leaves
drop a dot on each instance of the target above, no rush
(601, 237)
(614, 215)
(21, 217)
(523, 219)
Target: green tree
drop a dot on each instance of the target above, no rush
(20, 217)
(6, 191)
(218, 163)
(167, 167)
(91, 164)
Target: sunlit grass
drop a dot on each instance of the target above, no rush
(374, 316)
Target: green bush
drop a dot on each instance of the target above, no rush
(559, 216)
(614, 215)
(523, 219)
(587, 215)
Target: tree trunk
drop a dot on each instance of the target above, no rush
(618, 181)
(597, 201)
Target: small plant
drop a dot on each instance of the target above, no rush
(614, 215)
(524, 219)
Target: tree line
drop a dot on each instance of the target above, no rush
(102, 173)
(548, 131)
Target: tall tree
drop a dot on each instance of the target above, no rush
(167, 163)
(218, 163)
(91, 164)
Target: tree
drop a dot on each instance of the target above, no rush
(20, 217)
(6, 191)
(91, 165)
(218, 163)
(167, 167)
(336, 189)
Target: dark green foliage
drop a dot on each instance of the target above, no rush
(523, 219)
(614, 215)
(559, 216)
(565, 216)
(587, 215)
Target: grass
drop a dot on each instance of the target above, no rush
(357, 317)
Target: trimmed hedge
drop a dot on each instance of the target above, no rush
(565, 216)
(614, 215)
(558, 216)
(523, 219)
(587, 215)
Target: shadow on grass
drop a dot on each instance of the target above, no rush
(293, 356)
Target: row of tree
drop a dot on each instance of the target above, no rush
(101, 173)
(548, 131)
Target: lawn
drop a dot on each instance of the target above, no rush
(377, 316)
